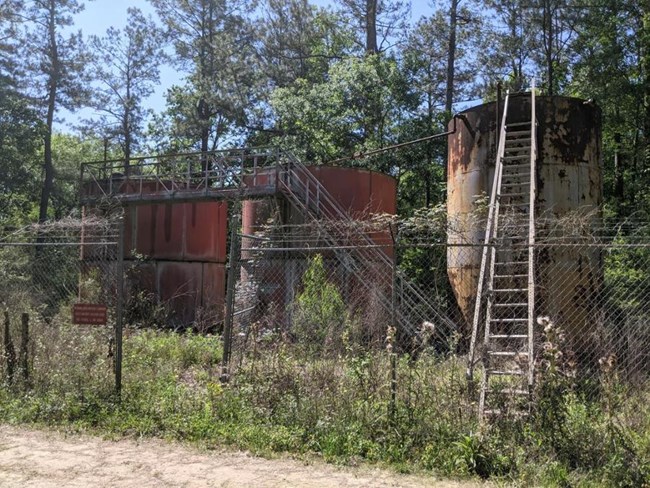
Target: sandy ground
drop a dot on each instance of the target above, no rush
(30, 458)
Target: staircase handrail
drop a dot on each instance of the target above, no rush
(370, 253)
(496, 184)
(531, 233)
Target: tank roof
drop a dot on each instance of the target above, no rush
(540, 98)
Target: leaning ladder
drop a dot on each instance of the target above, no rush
(507, 267)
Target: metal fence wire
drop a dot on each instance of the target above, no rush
(45, 271)
(591, 293)
(406, 286)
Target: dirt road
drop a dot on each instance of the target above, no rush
(30, 458)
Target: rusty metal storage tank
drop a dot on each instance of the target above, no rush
(569, 178)
(177, 252)
(360, 192)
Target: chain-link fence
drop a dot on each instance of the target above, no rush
(323, 290)
(591, 283)
(59, 296)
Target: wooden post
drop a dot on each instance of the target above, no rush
(24, 343)
(119, 309)
(10, 352)
(393, 353)
(233, 268)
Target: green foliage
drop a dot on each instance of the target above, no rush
(356, 108)
(333, 406)
(20, 137)
(319, 312)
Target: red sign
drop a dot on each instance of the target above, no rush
(89, 314)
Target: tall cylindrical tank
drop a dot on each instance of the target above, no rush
(359, 192)
(569, 177)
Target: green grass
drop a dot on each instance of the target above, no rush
(336, 407)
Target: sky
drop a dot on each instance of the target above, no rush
(99, 15)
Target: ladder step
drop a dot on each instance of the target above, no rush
(509, 320)
(511, 185)
(510, 290)
(517, 124)
(517, 149)
(498, 412)
(514, 194)
(514, 158)
(507, 353)
(512, 166)
(509, 263)
(511, 372)
(501, 305)
(521, 205)
(513, 237)
(518, 132)
(509, 391)
(512, 276)
(508, 336)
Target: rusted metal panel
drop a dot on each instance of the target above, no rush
(569, 177)
(180, 231)
(213, 291)
(205, 231)
(130, 231)
(160, 231)
(179, 284)
(383, 193)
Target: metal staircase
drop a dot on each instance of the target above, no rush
(505, 299)
(358, 252)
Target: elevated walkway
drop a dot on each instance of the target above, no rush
(190, 177)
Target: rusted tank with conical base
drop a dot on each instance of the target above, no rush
(569, 182)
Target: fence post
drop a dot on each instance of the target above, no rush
(10, 352)
(24, 343)
(233, 260)
(119, 308)
(393, 354)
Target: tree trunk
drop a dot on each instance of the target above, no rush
(619, 172)
(645, 70)
(204, 116)
(53, 54)
(126, 128)
(371, 27)
(548, 46)
(451, 55)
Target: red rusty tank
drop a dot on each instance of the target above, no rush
(360, 192)
(177, 251)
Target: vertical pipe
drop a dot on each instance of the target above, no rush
(119, 308)
(498, 131)
(81, 251)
